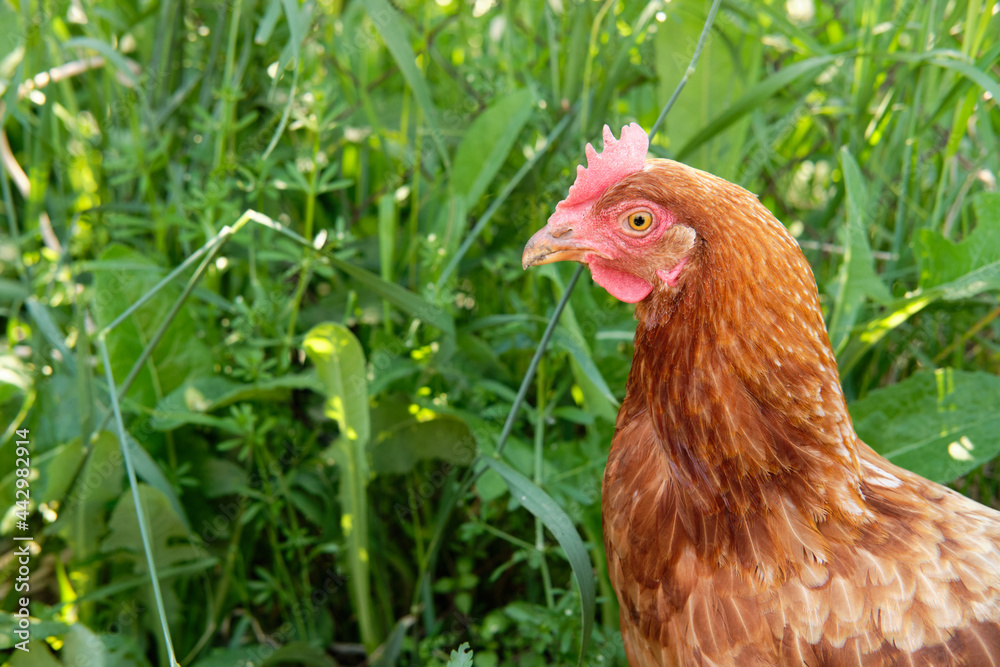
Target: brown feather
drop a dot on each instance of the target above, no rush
(745, 523)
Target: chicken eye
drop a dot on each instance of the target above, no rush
(640, 220)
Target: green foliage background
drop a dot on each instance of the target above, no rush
(315, 437)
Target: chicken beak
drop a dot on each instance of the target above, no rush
(553, 244)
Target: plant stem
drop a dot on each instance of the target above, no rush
(540, 416)
(307, 254)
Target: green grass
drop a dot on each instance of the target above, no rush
(380, 168)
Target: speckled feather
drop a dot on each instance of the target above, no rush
(745, 522)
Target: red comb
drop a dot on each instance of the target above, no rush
(619, 158)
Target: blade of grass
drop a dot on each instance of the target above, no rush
(122, 585)
(949, 60)
(147, 351)
(140, 513)
(480, 225)
(386, 246)
(386, 22)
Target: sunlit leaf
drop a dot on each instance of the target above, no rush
(340, 362)
(940, 424)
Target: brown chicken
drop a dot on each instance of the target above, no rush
(745, 522)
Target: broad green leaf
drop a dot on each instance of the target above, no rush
(83, 648)
(149, 471)
(449, 226)
(556, 520)
(299, 653)
(856, 279)
(12, 32)
(12, 291)
(939, 424)
(575, 415)
(222, 477)
(57, 469)
(942, 260)
(39, 654)
(179, 356)
(576, 50)
(171, 543)
(487, 143)
(83, 514)
(585, 370)
(122, 584)
(403, 436)
(170, 537)
(202, 395)
(56, 414)
(390, 25)
(598, 396)
(718, 80)
(340, 362)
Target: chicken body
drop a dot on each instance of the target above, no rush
(745, 522)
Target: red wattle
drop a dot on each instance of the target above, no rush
(621, 285)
